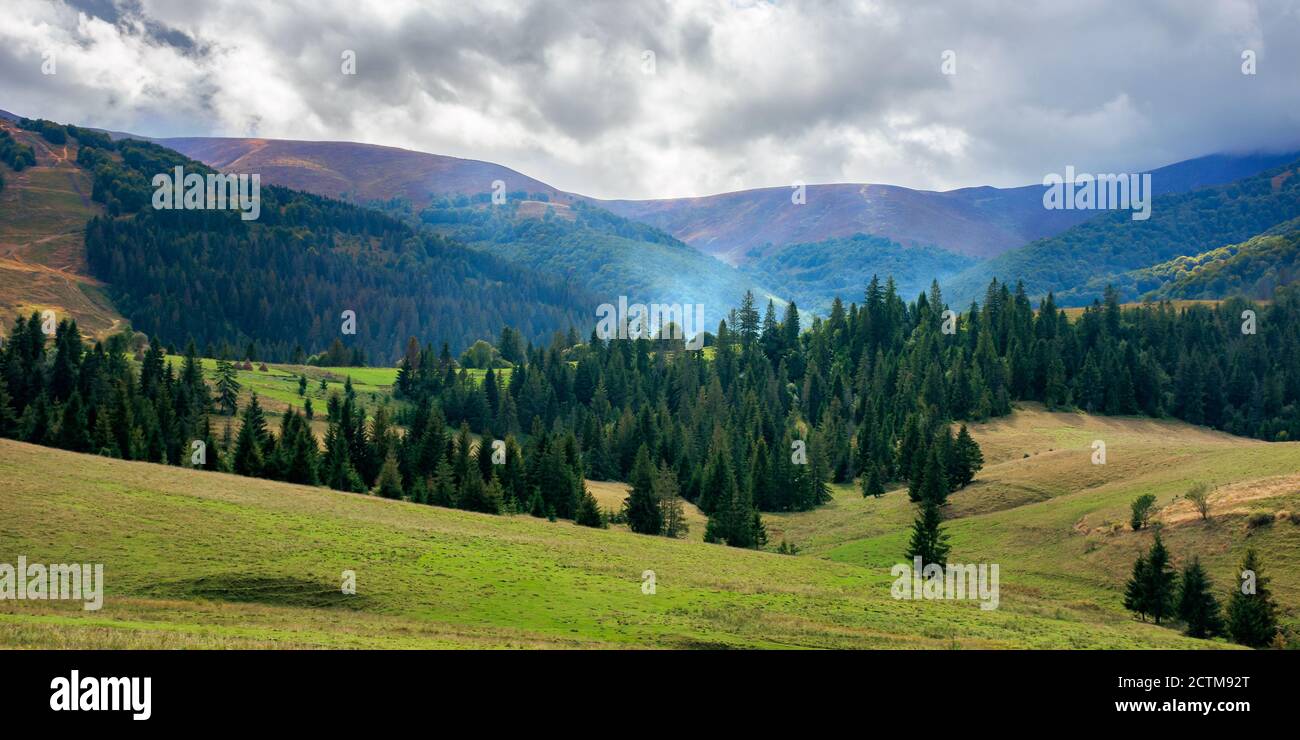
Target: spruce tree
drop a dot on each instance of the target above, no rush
(73, 434)
(536, 504)
(474, 495)
(670, 502)
(8, 420)
(1135, 591)
(934, 486)
(968, 459)
(248, 458)
(444, 486)
(1197, 607)
(589, 514)
(871, 483)
(228, 387)
(390, 478)
(642, 505)
(929, 541)
(1252, 613)
(1161, 582)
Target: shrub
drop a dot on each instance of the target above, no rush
(1142, 507)
(1199, 495)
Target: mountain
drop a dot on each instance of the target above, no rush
(583, 245)
(357, 172)
(746, 226)
(977, 222)
(283, 280)
(1078, 263)
(737, 227)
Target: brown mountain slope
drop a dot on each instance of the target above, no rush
(359, 172)
(43, 214)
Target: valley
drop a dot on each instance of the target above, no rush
(602, 438)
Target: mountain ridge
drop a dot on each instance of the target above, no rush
(738, 226)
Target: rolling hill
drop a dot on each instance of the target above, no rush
(1045, 512)
(207, 560)
(609, 256)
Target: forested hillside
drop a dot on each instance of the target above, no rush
(279, 285)
(1079, 263)
(812, 275)
(609, 255)
(1252, 269)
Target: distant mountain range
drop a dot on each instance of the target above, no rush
(809, 252)
(737, 227)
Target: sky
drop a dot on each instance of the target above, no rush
(676, 98)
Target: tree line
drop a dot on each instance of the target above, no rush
(763, 419)
(14, 153)
(1156, 590)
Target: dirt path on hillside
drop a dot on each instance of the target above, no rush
(61, 161)
(14, 262)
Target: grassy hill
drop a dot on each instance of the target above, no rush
(1058, 525)
(43, 215)
(198, 559)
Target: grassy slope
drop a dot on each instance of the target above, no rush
(206, 560)
(1057, 524)
(43, 215)
(277, 388)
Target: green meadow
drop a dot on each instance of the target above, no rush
(207, 560)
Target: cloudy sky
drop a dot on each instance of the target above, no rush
(738, 93)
